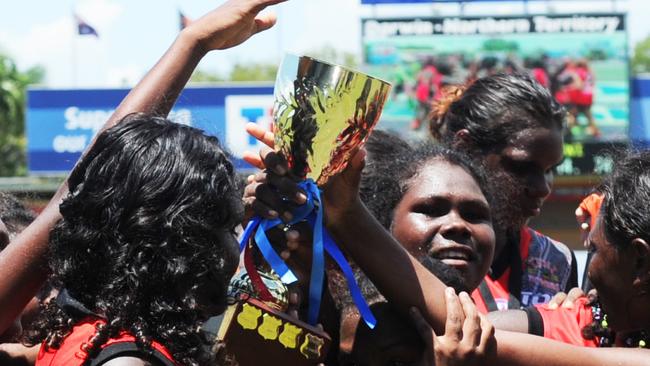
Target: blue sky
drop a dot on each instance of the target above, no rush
(134, 33)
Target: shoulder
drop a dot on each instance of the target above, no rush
(542, 244)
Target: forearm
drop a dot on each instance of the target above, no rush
(516, 349)
(18, 354)
(510, 320)
(157, 92)
(397, 275)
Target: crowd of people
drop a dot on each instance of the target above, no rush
(570, 81)
(137, 250)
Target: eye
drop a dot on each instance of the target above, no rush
(435, 208)
(473, 211)
(476, 215)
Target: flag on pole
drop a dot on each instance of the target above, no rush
(183, 20)
(84, 29)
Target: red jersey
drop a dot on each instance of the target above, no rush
(548, 267)
(492, 296)
(562, 324)
(71, 354)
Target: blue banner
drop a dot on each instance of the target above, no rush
(61, 123)
(640, 112)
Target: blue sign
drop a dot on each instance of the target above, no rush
(61, 123)
(640, 112)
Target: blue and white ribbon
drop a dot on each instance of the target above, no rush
(312, 212)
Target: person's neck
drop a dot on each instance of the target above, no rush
(506, 240)
(634, 339)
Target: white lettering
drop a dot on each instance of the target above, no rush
(76, 118)
(485, 26)
(582, 24)
(375, 29)
(182, 116)
(71, 144)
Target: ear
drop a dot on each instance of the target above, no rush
(641, 251)
(462, 138)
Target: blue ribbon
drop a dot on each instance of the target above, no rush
(312, 212)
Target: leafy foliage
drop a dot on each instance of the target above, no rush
(13, 86)
(641, 57)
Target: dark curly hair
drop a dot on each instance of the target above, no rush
(391, 166)
(625, 192)
(146, 238)
(493, 108)
(14, 214)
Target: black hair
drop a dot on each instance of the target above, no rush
(14, 214)
(494, 108)
(144, 237)
(625, 192)
(391, 166)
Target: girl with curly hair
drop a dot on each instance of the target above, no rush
(142, 248)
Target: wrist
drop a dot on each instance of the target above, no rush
(341, 218)
(188, 38)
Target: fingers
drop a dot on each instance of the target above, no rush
(488, 344)
(422, 326)
(472, 323)
(259, 5)
(557, 300)
(264, 22)
(253, 159)
(592, 296)
(261, 134)
(355, 166)
(455, 316)
(572, 297)
(274, 161)
(294, 302)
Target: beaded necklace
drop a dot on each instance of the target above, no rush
(606, 337)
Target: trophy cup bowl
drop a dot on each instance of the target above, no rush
(322, 112)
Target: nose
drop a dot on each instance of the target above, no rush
(455, 228)
(539, 185)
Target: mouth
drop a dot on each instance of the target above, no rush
(459, 257)
(533, 209)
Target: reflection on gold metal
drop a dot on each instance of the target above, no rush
(322, 112)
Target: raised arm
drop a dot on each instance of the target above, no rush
(23, 266)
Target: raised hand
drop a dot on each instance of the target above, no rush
(232, 23)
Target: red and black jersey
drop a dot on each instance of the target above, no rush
(70, 352)
(562, 324)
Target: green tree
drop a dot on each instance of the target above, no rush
(641, 57)
(330, 54)
(254, 72)
(202, 76)
(13, 87)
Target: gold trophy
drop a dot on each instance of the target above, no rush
(322, 112)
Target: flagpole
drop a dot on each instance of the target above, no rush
(73, 48)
